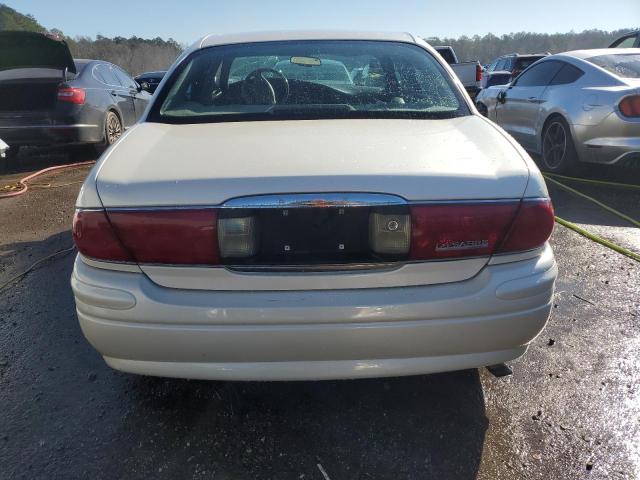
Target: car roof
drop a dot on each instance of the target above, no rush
(584, 54)
(252, 37)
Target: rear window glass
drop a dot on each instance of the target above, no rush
(447, 54)
(625, 65)
(522, 63)
(308, 79)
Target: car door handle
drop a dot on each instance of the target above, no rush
(533, 99)
(114, 93)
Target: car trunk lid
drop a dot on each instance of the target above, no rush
(32, 65)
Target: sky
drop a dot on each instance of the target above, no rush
(187, 20)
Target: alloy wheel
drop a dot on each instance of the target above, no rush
(114, 128)
(554, 145)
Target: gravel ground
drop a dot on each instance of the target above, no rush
(571, 409)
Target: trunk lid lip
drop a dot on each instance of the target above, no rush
(47, 51)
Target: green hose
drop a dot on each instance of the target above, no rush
(598, 239)
(591, 236)
(593, 182)
(600, 204)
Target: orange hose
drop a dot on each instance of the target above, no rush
(24, 181)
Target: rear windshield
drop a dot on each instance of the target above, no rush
(308, 79)
(625, 65)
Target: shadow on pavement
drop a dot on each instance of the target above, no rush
(67, 415)
(31, 159)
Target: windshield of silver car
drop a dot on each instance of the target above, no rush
(307, 80)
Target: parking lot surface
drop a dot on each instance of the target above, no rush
(570, 410)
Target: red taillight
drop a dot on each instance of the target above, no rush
(478, 73)
(95, 238)
(458, 230)
(469, 230)
(178, 237)
(531, 228)
(630, 106)
(71, 95)
(431, 232)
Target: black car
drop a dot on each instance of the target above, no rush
(48, 98)
(152, 79)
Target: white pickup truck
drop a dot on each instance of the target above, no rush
(469, 73)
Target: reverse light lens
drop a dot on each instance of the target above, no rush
(237, 237)
(630, 106)
(71, 95)
(389, 234)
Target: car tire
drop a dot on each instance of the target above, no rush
(113, 128)
(558, 153)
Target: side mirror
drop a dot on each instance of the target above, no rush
(143, 86)
(502, 96)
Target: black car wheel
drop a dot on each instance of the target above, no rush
(113, 128)
(558, 151)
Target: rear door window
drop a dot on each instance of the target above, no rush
(104, 73)
(539, 75)
(502, 64)
(124, 79)
(447, 54)
(567, 74)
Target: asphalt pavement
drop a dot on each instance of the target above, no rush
(571, 410)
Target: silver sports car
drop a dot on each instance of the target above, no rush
(580, 106)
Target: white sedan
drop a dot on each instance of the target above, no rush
(257, 227)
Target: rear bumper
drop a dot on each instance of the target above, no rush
(35, 135)
(143, 328)
(613, 141)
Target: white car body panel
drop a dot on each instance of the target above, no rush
(207, 164)
(140, 327)
(220, 323)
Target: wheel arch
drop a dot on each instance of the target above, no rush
(547, 119)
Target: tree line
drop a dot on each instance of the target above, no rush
(137, 55)
(486, 48)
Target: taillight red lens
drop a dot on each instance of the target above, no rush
(179, 237)
(478, 73)
(95, 238)
(468, 230)
(71, 95)
(630, 106)
(459, 230)
(531, 228)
